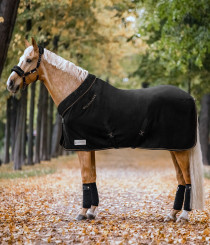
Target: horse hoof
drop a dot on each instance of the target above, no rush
(169, 217)
(182, 220)
(90, 215)
(81, 217)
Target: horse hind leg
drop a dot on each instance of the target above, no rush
(90, 193)
(191, 165)
(183, 160)
(179, 198)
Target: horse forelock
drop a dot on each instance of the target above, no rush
(27, 51)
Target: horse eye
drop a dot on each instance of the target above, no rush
(28, 60)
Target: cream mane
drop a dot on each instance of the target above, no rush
(65, 65)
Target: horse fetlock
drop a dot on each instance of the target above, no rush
(81, 217)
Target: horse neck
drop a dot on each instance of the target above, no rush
(61, 77)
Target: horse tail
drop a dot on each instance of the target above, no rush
(196, 175)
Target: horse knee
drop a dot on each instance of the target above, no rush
(88, 178)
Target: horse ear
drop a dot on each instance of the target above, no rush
(27, 44)
(34, 44)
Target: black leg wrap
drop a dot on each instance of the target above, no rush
(94, 194)
(179, 199)
(187, 198)
(86, 195)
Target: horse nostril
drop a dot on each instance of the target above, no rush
(17, 88)
(11, 83)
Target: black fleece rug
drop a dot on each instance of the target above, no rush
(99, 116)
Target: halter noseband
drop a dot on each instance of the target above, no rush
(22, 74)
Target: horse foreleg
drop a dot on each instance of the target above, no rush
(179, 198)
(182, 158)
(90, 193)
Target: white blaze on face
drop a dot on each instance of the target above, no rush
(13, 73)
(22, 58)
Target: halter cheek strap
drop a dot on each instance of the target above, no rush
(22, 74)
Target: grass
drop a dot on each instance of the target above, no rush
(44, 168)
(207, 172)
(207, 175)
(50, 167)
(26, 173)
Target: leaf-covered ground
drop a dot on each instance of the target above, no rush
(136, 189)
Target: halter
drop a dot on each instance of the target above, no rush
(22, 74)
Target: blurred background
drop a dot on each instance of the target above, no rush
(129, 43)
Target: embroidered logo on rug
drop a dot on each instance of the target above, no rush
(79, 142)
(89, 103)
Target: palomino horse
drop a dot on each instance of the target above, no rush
(62, 78)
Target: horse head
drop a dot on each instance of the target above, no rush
(27, 70)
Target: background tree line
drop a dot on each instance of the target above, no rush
(127, 43)
(85, 32)
(178, 36)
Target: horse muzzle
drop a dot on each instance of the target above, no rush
(12, 87)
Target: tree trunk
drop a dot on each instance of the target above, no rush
(60, 150)
(8, 11)
(31, 125)
(17, 146)
(7, 133)
(38, 124)
(44, 129)
(24, 135)
(29, 21)
(20, 132)
(13, 116)
(50, 125)
(56, 136)
(204, 127)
